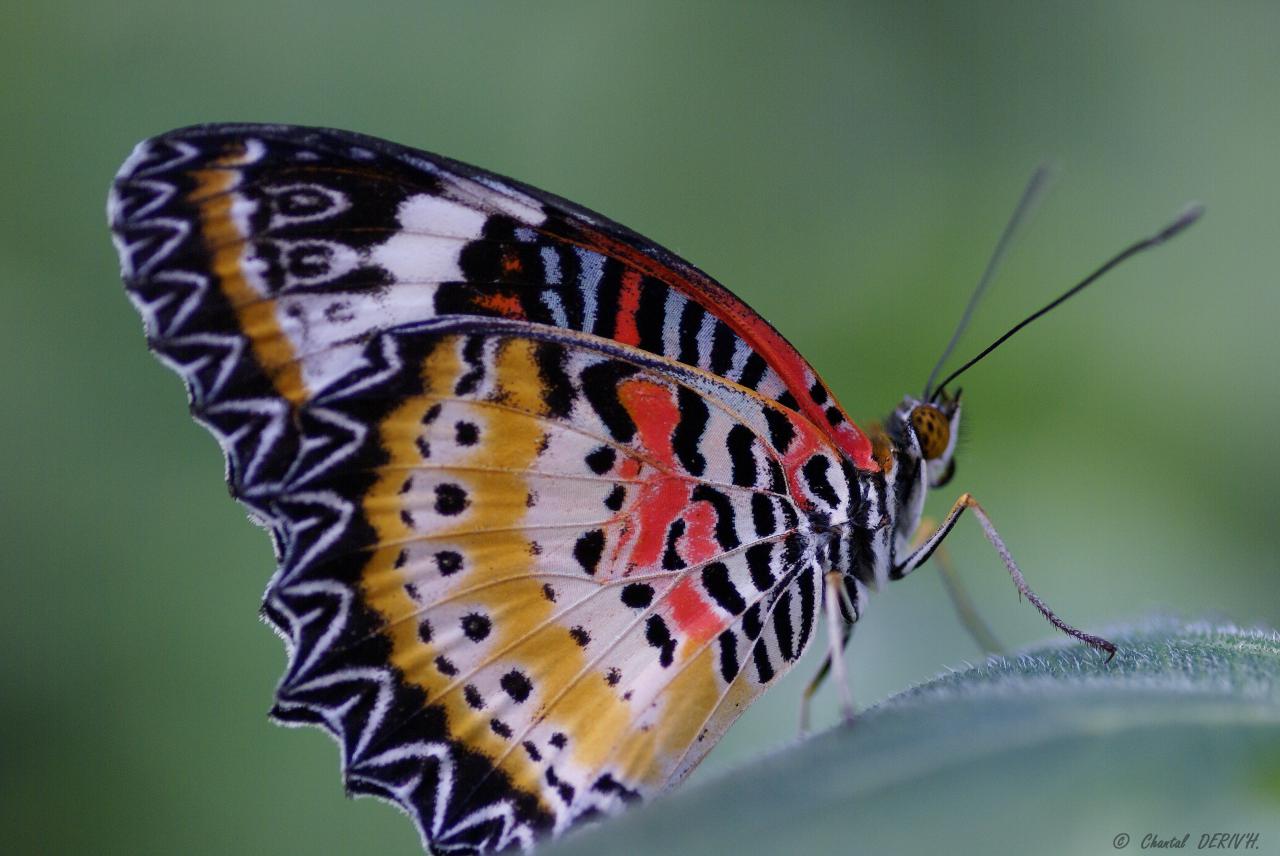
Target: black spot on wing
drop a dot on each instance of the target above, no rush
(588, 549)
(763, 518)
(601, 460)
(600, 383)
(517, 685)
(637, 595)
(657, 634)
(466, 433)
(563, 788)
(614, 500)
(781, 431)
(808, 606)
(716, 580)
(475, 626)
(728, 656)
(851, 479)
(607, 298)
(741, 443)
(694, 415)
(777, 480)
(782, 628)
(722, 342)
(607, 784)
(481, 261)
(791, 519)
(473, 356)
(764, 668)
(758, 563)
(451, 499)
(753, 371)
(726, 534)
(690, 323)
(815, 475)
(557, 389)
(649, 315)
(671, 559)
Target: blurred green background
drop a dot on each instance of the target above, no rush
(844, 167)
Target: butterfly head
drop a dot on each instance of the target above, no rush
(927, 432)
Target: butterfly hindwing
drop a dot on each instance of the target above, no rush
(538, 544)
(555, 581)
(569, 615)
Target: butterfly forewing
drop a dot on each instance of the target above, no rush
(324, 238)
(526, 574)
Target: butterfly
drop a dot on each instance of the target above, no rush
(550, 506)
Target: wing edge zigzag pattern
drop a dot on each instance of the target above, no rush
(146, 244)
(283, 454)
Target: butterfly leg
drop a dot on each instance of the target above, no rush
(926, 549)
(970, 619)
(836, 639)
(817, 680)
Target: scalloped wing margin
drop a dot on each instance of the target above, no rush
(297, 461)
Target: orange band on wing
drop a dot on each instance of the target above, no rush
(256, 317)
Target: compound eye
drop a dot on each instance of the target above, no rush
(932, 429)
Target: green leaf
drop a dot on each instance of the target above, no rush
(1053, 750)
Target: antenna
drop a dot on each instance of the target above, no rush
(1026, 205)
(1189, 215)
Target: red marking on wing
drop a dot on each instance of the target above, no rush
(662, 497)
(698, 543)
(692, 614)
(661, 501)
(801, 449)
(629, 468)
(628, 305)
(506, 305)
(794, 370)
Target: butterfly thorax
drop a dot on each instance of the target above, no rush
(914, 448)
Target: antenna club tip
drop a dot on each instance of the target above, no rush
(1189, 215)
